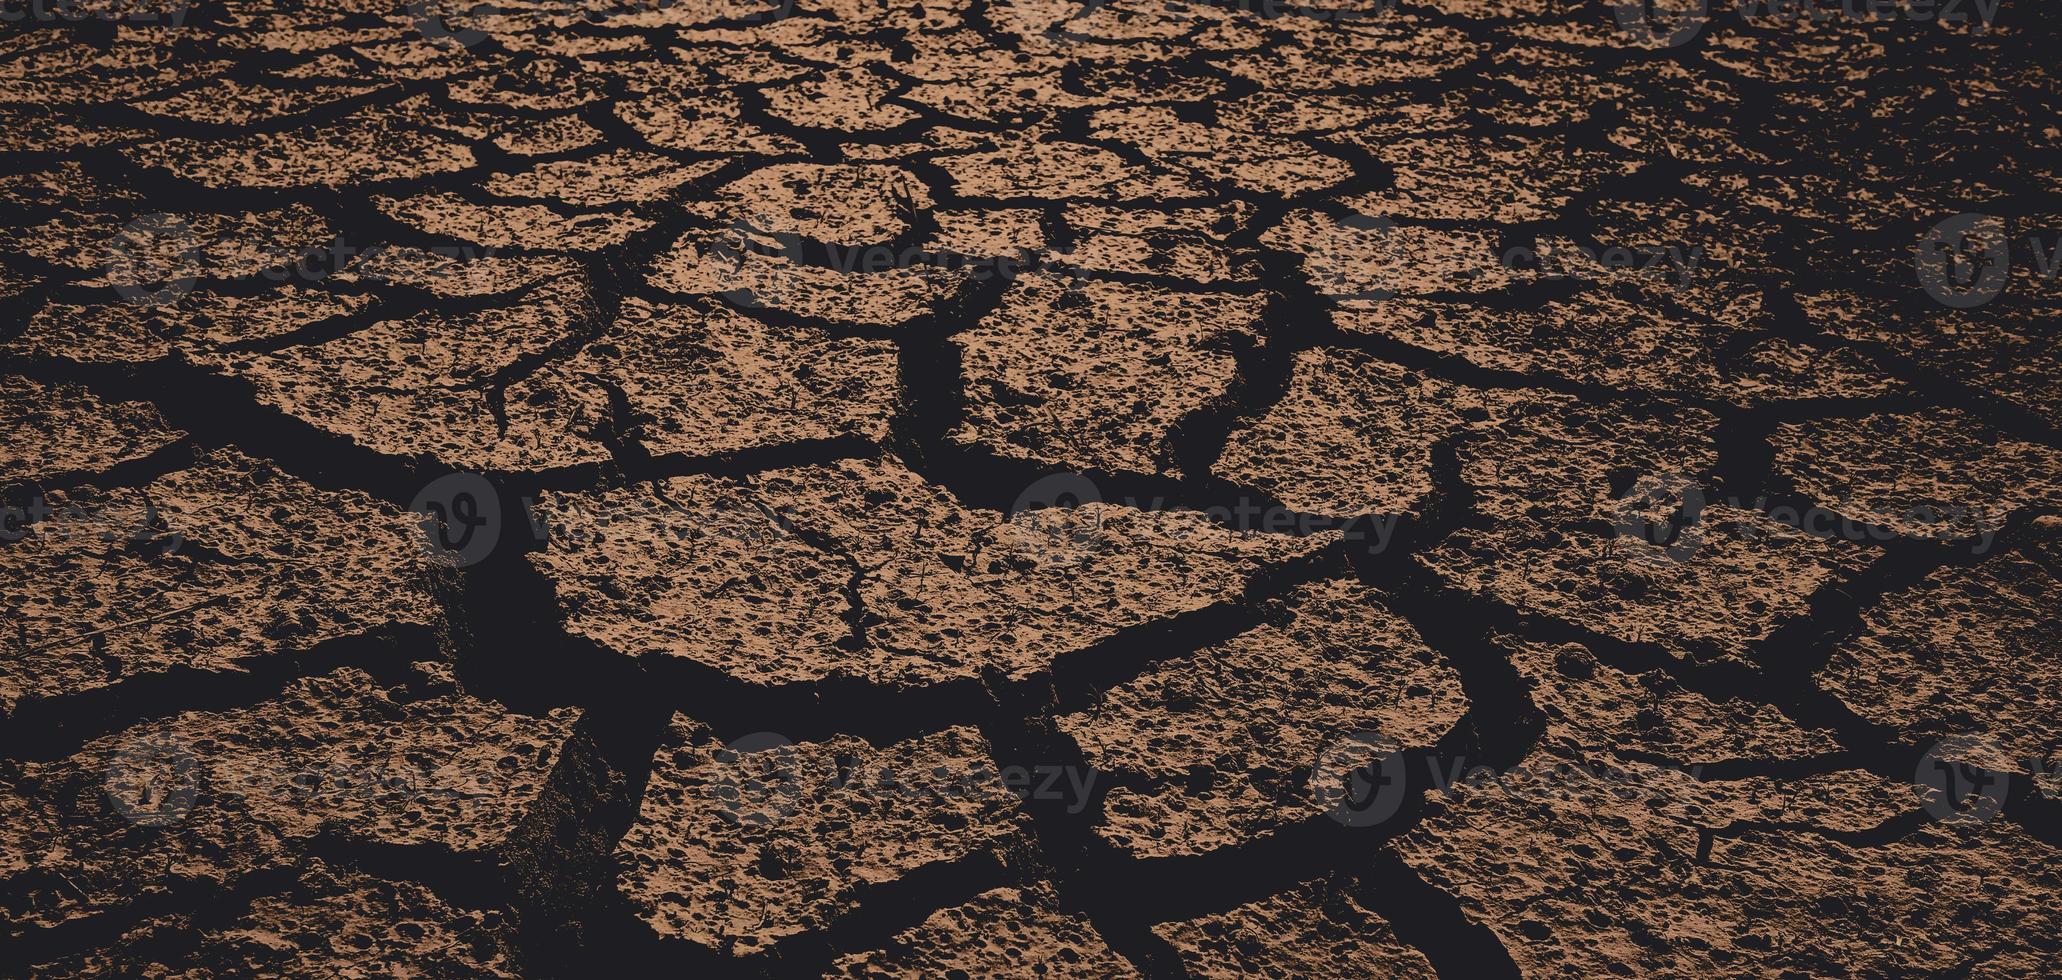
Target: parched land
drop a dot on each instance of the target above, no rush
(966, 488)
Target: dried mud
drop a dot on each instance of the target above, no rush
(772, 488)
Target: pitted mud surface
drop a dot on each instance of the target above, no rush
(772, 488)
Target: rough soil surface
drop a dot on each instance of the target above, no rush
(1310, 930)
(1954, 648)
(863, 570)
(56, 431)
(1015, 931)
(200, 803)
(1209, 749)
(203, 572)
(1095, 376)
(325, 923)
(735, 849)
(801, 488)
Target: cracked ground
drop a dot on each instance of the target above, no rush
(963, 488)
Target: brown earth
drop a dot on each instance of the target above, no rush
(1028, 488)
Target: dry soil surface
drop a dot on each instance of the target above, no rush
(964, 488)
